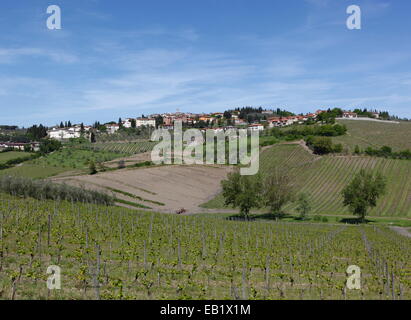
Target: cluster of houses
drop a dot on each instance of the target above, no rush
(212, 119)
(68, 133)
(21, 146)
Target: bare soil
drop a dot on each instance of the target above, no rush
(176, 186)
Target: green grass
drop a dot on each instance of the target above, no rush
(73, 158)
(324, 178)
(313, 218)
(33, 171)
(375, 134)
(134, 196)
(66, 159)
(130, 203)
(11, 155)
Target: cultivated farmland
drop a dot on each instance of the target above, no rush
(126, 148)
(375, 134)
(324, 178)
(163, 188)
(116, 253)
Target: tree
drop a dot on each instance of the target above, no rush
(303, 205)
(49, 145)
(92, 167)
(242, 192)
(357, 149)
(121, 164)
(27, 148)
(159, 121)
(227, 115)
(322, 145)
(133, 123)
(36, 132)
(363, 192)
(337, 148)
(279, 190)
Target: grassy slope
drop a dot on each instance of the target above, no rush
(325, 177)
(11, 155)
(33, 171)
(66, 159)
(375, 134)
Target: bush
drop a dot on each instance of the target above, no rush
(338, 148)
(322, 145)
(40, 189)
(121, 164)
(92, 168)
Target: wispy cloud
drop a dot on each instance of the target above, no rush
(10, 55)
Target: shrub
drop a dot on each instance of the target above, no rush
(92, 168)
(40, 189)
(121, 164)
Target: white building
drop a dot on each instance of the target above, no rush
(256, 127)
(349, 115)
(148, 122)
(127, 123)
(112, 128)
(67, 133)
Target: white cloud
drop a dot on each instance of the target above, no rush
(11, 55)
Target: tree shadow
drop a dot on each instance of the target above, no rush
(263, 216)
(355, 220)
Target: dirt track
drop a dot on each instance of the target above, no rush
(402, 231)
(177, 186)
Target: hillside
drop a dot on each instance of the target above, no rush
(375, 134)
(324, 178)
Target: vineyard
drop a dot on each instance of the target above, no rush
(324, 178)
(116, 253)
(375, 134)
(126, 148)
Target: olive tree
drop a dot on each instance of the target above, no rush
(243, 192)
(363, 192)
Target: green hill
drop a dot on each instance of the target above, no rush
(324, 178)
(375, 134)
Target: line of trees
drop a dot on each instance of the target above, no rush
(279, 188)
(385, 152)
(41, 189)
(247, 192)
(327, 130)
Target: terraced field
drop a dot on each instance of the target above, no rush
(324, 178)
(375, 134)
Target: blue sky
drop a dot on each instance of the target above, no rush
(124, 58)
